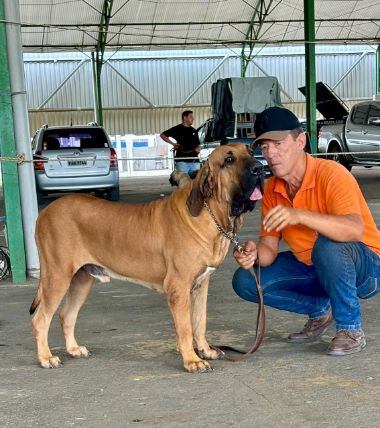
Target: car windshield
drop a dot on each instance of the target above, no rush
(57, 139)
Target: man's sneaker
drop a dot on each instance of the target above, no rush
(347, 342)
(313, 329)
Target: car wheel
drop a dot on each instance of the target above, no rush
(335, 155)
(113, 194)
(40, 198)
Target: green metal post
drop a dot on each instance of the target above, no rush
(378, 70)
(311, 91)
(98, 86)
(11, 188)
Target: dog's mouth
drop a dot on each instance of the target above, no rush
(257, 194)
(246, 199)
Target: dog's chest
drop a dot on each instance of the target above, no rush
(201, 277)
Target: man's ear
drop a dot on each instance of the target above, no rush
(302, 140)
(203, 188)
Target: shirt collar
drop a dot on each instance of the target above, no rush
(308, 181)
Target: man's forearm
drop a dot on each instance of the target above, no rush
(167, 139)
(341, 228)
(266, 254)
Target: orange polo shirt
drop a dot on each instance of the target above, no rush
(327, 188)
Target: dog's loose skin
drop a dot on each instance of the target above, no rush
(170, 245)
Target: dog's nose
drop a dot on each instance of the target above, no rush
(257, 169)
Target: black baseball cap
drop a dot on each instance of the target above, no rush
(274, 123)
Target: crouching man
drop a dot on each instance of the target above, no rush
(317, 207)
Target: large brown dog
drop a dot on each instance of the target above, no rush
(78, 242)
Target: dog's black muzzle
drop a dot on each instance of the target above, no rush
(252, 179)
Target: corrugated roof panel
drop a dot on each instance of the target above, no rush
(217, 18)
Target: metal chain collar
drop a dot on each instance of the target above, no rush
(231, 237)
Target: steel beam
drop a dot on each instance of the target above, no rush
(11, 188)
(130, 84)
(261, 11)
(378, 70)
(99, 56)
(350, 69)
(310, 74)
(64, 81)
(205, 79)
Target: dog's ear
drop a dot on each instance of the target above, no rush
(203, 188)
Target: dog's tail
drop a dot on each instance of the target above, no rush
(35, 302)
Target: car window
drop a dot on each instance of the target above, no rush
(359, 115)
(60, 139)
(374, 116)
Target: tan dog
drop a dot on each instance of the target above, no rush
(77, 242)
(179, 179)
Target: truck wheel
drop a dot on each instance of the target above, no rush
(335, 156)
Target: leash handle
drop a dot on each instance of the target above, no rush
(260, 321)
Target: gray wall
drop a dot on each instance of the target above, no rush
(167, 78)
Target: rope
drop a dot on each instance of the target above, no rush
(21, 159)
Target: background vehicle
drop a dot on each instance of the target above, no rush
(356, 131)
(77, 158)
(235, 103)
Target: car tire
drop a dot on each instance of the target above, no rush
(113, 194)
(40, 197)
(335, 156)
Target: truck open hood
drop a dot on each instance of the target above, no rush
(329, 104)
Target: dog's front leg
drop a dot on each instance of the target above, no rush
(179, 304)
(199, 321)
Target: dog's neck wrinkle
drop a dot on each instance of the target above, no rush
(222, 215)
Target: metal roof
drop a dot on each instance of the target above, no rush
(53, 25)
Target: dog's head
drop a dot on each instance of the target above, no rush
(179, 179)
(230, 175)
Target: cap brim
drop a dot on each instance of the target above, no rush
(273, 135)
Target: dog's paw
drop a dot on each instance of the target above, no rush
(199, 366)
(79, 351)
(50, 363)
(210, 354)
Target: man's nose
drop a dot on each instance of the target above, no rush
(257, 169)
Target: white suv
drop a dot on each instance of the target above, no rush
(75, 158)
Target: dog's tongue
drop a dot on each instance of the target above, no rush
(256, 194)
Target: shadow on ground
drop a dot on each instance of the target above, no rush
(135, 377)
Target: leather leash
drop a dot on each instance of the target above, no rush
(260, 320)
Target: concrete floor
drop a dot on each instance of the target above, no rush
(135, 377)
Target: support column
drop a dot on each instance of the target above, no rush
(22, 136)
(96, 79)
(378, 70)
(10, 169)
(310, 74)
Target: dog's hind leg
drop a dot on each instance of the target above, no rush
(199, 320)
(77, 294)
(52, 288)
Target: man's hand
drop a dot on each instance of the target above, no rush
(280, 217)
(247, 258)
(198, 149)
(176, 146)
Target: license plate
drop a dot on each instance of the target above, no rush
(77, 163)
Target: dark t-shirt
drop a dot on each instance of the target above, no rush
(187, 138)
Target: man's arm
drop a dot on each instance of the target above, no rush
(169, 141)
(341, 228)
(266, 249)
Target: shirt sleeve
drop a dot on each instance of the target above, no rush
(342, 192)
(267, 203)
(171, 132)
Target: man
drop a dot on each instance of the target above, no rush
(187, 146)
(317, 207)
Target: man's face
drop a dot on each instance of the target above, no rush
(282, 156)
(188, 120)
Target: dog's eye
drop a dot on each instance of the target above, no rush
(228, 160)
